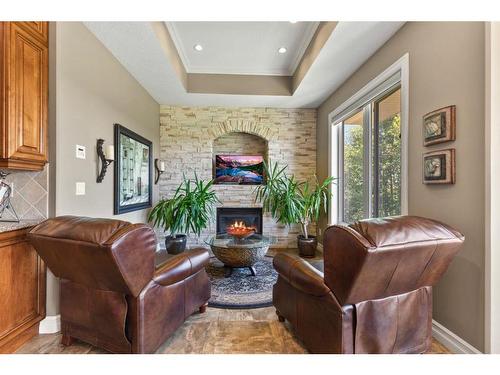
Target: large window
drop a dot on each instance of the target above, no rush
(369, 157)
(368, 149)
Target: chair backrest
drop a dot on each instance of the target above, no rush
(103, 254)
(378, 258)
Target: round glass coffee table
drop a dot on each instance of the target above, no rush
(239, 253)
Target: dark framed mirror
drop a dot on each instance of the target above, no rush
(133, 171)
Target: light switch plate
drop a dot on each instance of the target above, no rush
(80, 188)
(80, 152)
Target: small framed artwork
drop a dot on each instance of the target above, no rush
(439, 126)
(133, 171)
(439, 167)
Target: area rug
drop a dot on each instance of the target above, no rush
(242, 290)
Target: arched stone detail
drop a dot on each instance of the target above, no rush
(187, 140)
(244, 126)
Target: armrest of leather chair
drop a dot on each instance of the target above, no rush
(181, 266)
(300, 274)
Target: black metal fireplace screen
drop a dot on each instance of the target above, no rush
(250, 216)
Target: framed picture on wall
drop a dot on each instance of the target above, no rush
(439, 126)
(439, 167)
(133, 171)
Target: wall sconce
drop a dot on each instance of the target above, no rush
(106, 158)
(159, 168)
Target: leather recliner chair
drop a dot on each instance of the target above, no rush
(375, 295)
(112, 295)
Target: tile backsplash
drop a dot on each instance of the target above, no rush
(30, 194)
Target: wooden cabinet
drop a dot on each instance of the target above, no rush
(38, 29)
(23, 95)
(22, 290)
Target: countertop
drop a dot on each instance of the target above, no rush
(8, 226)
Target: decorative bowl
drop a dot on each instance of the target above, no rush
(241, 233)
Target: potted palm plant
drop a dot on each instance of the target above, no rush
(294, 202)
(188, 211)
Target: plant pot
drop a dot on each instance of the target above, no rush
(176, 245)
(307, 246)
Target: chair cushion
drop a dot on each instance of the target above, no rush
(161, 257)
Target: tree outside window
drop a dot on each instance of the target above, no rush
(384, 147)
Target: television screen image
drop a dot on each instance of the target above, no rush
(239, 169)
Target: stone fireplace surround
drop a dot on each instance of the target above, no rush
(190, 137)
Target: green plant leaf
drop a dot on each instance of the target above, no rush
(291, 201)
(189, 210)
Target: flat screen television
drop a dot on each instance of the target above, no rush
(239, 169)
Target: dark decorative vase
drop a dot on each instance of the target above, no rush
(176, 245)
(307, 246)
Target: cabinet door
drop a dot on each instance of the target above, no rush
(27, 98)
(22, 289)
(38, 29)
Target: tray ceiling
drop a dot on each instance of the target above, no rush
(241, 47)
(140, 49)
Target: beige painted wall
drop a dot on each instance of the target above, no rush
(93, 91)
(446, 67)
(492, 203)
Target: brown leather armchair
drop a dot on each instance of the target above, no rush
(112, 295)
(375, 295)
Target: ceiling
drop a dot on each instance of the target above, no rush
(137, 48)
(241, 47)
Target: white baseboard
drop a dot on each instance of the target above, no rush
(51, 324)
(450, 340)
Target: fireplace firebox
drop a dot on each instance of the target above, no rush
(250, 216)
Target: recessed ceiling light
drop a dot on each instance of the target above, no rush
(282, 50)
(198, 47)
(293, 21)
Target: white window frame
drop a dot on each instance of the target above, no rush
(396, 73)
